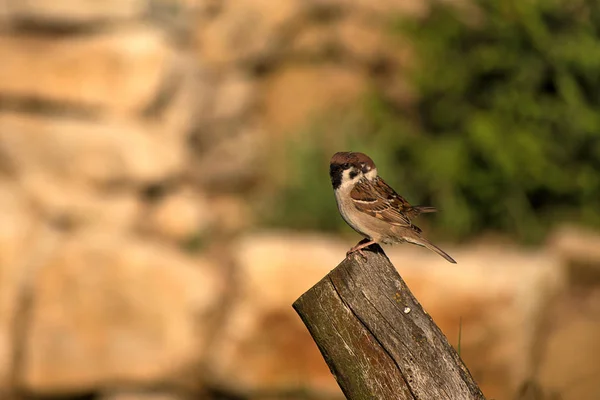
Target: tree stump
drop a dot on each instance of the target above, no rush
(376, 338)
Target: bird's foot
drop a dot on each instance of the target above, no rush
(358, 249)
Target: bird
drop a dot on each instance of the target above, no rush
(372, 208)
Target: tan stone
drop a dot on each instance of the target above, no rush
(580, 251)
(380, 8)
(363, 39)
(188, 103)
(232, 213)
(386, 7)
(17, 232)
(569, 367)
(117, 72)
(263, 344)
(245, 29)
(234, 97)
(232, 163)
(109, 308)
(495, 296)
(296, 94)
(180, 215)
(86, 151)
(314, 41)
(497, 293)
(4, 12)
(75, 11)
(141, 395)
(80, 206)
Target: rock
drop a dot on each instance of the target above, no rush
(187, 103)
(497, 293)
(294, 95)
(580, 251)
(233, 213)
(180, 215)
(233, 164)
(4, 13)
(570, 347)
(495, 296)
(364, 40)
(246, 30)
(234, 97)
(379, 8)
(75, 12)
(385, 7)
(141, 395)
(17, 231)
(263, 344)
(86, 152)
(84, 207)
(140, 311)
(119, 72)
(315, 42)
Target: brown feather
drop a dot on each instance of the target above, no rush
(379, 200)
(421, 241)
(417, 210)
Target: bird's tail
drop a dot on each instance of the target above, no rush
(420, 241)
(416, 210)
(424, 209)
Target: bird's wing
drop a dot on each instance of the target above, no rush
(379, 200)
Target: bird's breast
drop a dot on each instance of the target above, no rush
(362, 223)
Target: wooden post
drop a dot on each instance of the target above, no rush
(376, 338)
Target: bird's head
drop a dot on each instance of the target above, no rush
(349, 167)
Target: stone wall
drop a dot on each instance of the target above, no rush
(97, 103)
(131, 133)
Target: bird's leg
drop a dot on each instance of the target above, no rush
(358, 248)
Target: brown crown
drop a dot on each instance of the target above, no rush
(353, 158)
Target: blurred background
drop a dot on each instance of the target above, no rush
(164, 189)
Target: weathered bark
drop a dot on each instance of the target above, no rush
(376, 338)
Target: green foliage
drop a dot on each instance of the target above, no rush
(304, 199)
(505, 132)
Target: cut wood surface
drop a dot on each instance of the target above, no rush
(376, 338)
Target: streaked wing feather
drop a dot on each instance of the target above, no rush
(390, 194)
(380, 201)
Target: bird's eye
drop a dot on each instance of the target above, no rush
(345, 166)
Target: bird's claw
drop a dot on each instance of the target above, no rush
(359, 251)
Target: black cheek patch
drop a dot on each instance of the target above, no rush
(335, 173)
(353, 174)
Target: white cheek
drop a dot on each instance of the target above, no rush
(348, 182)
(372, 174)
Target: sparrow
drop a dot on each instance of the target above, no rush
(371, 207)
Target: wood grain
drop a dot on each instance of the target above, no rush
(376, 338)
